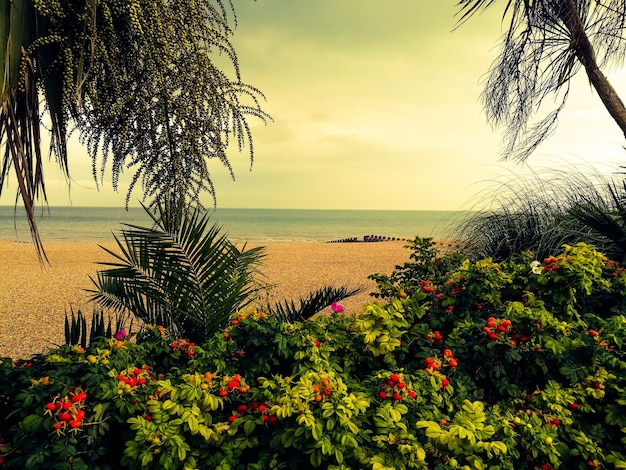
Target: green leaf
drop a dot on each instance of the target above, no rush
(249, 426)
(182, 454)
(317, 431)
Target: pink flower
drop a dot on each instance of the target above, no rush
(120, 334)
(337, 308)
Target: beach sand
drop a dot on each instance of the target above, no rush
(34, 298)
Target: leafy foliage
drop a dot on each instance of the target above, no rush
(512, 365)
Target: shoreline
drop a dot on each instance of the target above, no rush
(34, 298)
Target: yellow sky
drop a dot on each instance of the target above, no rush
(374, 107)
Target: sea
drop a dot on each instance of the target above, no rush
(100, 224)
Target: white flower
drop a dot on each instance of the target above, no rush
(535, 267)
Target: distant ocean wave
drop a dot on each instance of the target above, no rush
(97, 224)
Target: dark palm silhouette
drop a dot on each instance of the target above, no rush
(546, 43)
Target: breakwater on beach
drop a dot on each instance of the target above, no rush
(368, 239)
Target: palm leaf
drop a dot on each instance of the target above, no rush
(288, 312)
(19, 114)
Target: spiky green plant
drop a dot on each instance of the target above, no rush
(289, 312)
(542, 211)
(600, 219)
(181, 273)
(77, 333)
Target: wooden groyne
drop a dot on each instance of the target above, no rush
(368, 239)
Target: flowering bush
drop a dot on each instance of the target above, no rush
(514, 365)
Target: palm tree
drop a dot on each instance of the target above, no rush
(181, 273)
(138, 80)
(546, 43)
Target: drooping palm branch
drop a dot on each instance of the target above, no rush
(181, 273)
(20, 120)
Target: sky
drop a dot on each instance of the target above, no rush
(373, 108)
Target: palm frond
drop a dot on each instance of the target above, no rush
(288, 312)
(19, 110)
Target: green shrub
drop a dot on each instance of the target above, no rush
(469, 365)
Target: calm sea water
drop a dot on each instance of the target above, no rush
(252, 225)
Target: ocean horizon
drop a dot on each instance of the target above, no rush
(98, 224)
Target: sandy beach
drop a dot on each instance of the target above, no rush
(34, 298)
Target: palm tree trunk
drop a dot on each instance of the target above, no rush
(587, 57)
